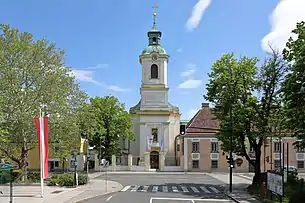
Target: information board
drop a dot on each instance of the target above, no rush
(275, 182)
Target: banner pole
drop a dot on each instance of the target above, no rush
(41, 152)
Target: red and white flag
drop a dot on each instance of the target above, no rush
(42, 133)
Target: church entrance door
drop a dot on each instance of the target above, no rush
(154, 160)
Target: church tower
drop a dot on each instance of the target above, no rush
(156, 122)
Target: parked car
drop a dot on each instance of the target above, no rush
(291, 169)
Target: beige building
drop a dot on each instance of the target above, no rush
(201, 150)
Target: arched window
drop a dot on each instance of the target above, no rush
(154, 71)
(154, 39)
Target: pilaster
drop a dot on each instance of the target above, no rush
(147, 161)
(161, 161)
(113, 162)
(185, 155)
(129, 162)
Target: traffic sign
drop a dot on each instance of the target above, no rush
(106, 164)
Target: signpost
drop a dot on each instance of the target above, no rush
(105, 165)
(275, 183)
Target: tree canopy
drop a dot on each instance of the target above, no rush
(107, 123)
(33, 73)
(252, 94)
(294, 85)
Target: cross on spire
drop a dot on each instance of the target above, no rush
(155, 14)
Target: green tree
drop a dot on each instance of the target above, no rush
(107, 123)
(252, 96)
(33, 74)
(294, 85)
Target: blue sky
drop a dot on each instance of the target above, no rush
(103, 38)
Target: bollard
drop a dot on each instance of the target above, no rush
(264, 189)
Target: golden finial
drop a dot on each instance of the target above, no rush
(155, 9)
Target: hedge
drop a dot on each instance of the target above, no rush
(67, 179)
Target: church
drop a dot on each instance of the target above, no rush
(156, 121)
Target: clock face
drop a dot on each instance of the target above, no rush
(154, 58)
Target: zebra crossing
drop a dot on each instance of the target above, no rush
(171, 189)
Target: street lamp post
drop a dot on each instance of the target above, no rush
(74, 153)
(100, 153)
(231, 147)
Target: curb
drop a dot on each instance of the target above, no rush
(230, 197)
(99, 195)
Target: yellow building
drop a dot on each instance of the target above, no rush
(58, 163)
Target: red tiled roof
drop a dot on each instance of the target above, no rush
(204, 118)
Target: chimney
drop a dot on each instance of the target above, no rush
(204, 105)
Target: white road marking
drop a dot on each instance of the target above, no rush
(155, 189)
(195, 189)
(184, 189)
(135, 188)
(164, 189)
(125, 188)
(175, 189)
(204, 189)
(145, 188)
(108, 198)
(184, 199)
(214, 189)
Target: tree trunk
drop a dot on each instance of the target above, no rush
(23, 163)
(257, 172)
(107, 143)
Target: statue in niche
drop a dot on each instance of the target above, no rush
(154, 133)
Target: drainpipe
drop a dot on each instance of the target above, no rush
(176, 149)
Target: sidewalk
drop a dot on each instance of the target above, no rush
(237, 178)
(31, 194)
(239, 194)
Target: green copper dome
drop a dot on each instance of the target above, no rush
(154, 38)
(154, 48)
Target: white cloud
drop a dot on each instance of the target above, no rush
(191, 113)
(179, 50)
(283, 20)
(85, 76)
(190, 84)
(99, 66)
(197, 13)
(117, 88)
(191, 69)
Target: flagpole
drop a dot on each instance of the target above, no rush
(41, 151)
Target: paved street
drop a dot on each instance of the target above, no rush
(158, 188)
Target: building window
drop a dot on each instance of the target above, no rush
(277, 164)
(154, 71)
(214, 164)
(300, 149)
(154, 39)
(214, 147)
(300, 164)
(195, 163)
(56, 164)
(195, 147)
(72, 164)
(154, 133)
(277, 147)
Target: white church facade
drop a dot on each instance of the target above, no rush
(156, 122)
